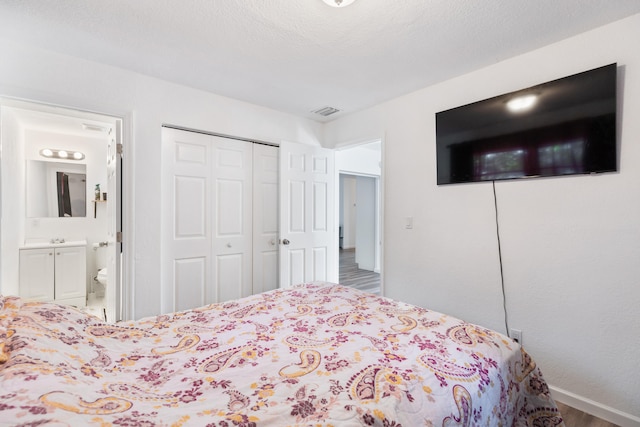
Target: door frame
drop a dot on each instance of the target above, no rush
(124, 307)
(381, 197)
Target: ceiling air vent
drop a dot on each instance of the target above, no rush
(326, 111)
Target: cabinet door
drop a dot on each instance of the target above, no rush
(70, 273)
(36, 274)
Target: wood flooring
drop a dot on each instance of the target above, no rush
(575, 418)
(351, 275)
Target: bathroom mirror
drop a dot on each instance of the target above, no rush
(56, 189)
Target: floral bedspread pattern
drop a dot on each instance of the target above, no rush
(317, 354)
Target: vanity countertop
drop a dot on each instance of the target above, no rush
(47, 244)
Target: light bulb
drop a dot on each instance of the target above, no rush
(521, 103)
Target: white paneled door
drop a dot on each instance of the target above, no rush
(307, 214)
(115, 303)
(187, 247)
(265, 218)
(219, 223)
(241, 218)
(232, 218)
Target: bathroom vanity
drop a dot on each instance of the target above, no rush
(55, 272)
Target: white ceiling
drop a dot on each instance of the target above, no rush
(299, 55)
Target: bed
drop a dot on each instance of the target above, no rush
(315, 354)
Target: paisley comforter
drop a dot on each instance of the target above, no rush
(317, 354)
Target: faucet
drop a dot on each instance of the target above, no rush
(57, 240)
(100, 245)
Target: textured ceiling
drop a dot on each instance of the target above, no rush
(299, 55)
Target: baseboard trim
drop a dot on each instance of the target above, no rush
(594, 408)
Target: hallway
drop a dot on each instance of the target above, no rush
(351, 275)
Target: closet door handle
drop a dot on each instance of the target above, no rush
(272, 242)
(286, 242)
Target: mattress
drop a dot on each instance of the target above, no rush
(315, 354)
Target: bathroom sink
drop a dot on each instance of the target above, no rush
(36, 244)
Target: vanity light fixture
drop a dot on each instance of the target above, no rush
(338, 3)
(50, 153)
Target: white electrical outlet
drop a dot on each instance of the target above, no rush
(516, 335)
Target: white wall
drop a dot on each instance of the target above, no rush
(13, 218)
(34, 74)
(366, 222)
(359, 160)
(348, 211)
(570, 245)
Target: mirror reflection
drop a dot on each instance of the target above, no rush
(56, 189)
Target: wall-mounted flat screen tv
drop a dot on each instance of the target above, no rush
(563, 127)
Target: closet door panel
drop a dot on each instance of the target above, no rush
(230, 272)
(230, 210)
(191, 282)
(186, 220)
(265, 218)
(232, 218)
(190, 219)
(220, 219)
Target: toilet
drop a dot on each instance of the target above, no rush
(102, 276)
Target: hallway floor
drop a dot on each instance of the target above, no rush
(351, 275)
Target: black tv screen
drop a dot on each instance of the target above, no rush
(563, 127)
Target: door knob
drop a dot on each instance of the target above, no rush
(286, 242)
(228, 245)
(272, 242)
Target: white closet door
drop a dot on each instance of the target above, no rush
(208, 219)
(307, 229)
(265, 218)
(186, 220)
(232, 218)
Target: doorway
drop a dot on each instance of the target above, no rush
(360, 207)
(29, 132)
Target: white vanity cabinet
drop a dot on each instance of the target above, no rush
(56, 273)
